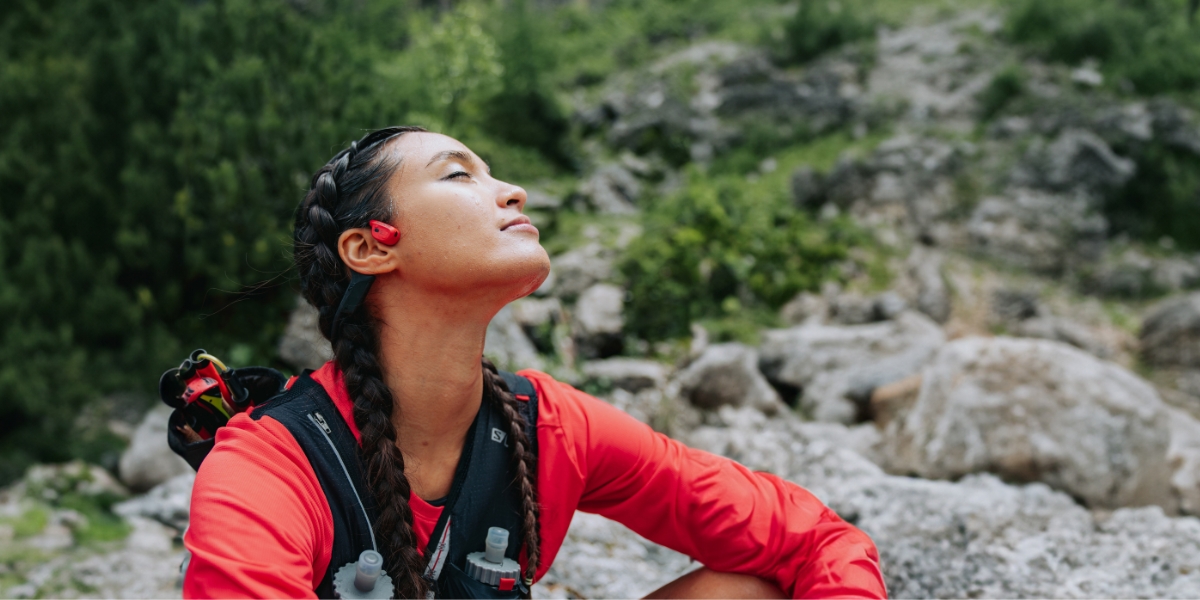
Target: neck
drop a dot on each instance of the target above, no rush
(430, 351)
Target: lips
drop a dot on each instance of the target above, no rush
(521, 223)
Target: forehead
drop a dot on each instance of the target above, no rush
(417, 149)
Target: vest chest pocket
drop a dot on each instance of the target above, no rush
(455, 583)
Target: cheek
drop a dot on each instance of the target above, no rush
(450, 228)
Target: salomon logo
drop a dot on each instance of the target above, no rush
(498, 436)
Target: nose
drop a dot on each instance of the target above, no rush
(511, 196)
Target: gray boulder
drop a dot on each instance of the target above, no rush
(599, 319)
(168, 503)
(1171, 333)
(604, 559)
(533, 313)
(577, 270)
(612, 189)
(630, 374)
(837, 367)
(1035, 410)
(302, 345)
(933, 296)
(803, 307)
(1038, 231)
(1132, 273)
(149, 461)
(980, 538)
(1075, 160)
(507, 345)
(975, 538)
(1065, 330)
(728, 375)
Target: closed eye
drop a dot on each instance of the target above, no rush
(458, 174)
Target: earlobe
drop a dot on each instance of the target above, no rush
(364, 252)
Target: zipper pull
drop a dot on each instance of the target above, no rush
(320, 421)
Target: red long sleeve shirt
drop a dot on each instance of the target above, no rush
(260, 525)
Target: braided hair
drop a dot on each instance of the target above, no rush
(348, 192)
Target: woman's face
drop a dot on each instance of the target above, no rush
(462, 231)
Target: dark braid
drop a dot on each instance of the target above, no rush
(346, 193)
(524, 460)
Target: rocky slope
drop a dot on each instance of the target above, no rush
(1012, 417)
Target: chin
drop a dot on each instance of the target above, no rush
(535, 272)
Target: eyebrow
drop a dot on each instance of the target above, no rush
(457, 154)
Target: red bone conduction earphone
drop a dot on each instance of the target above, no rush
(386, 234)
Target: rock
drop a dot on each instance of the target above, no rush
(815, 455)
(1038, 231)
(1034, 410)
(933, 297)
(977, 537)
(302, 345)
(697, 101)
(579, 269)
(1132, 273)
(907, 184)
(807, 188)
(803, 307)
(144, 565)
(599, 319)
(1175, 125)
(1063, 330)
(149, 461)
(980, 538)
(853, 309)
(168, 503)
(630, 374)
(1171, 332)
(727, 374)
(1075, 160)
(532, 313)
(888, 305)
(604, 559)
(1183, 454)
(612, 189)
(1010, 305)
(507, 345)
(837, 367)
(536, 199)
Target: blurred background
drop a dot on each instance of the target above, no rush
(780, 231)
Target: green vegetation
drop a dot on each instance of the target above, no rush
(1151, 44)
(1008, 84)
(31, 522)
(821, 25)
(152, 153)
(724, 248)
(1162, 199)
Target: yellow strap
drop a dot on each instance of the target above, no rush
(215, 361)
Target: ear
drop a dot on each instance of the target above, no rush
(365, 254)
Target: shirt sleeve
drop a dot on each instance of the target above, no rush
(711, 508)
(260, 527)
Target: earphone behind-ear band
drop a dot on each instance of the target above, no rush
(386, 234)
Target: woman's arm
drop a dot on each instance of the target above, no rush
(729, 518)
(260, 526)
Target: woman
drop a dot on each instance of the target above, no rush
(447, 247)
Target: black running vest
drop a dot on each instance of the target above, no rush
(485, 491)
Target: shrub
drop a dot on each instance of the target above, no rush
(822, 25)
(1149, 43)
(720, 247)
(1002, 89)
